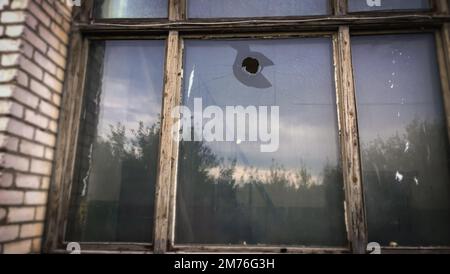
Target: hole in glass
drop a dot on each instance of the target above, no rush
(251, 65)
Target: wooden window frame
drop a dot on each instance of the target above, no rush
(340, 25)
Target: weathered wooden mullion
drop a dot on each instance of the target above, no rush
(63, 171)
(441, 6)
(177, 10)
(172, 73)
(355, 212)
(175, 148)
(443, 55)
(340, 7)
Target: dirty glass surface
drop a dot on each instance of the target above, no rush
(387, 5)
(115, 173)
(236, 190)
(130, 8)
(256, 8)
(404, 143)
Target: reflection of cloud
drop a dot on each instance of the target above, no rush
(315, 145)
(118, 106)
(244, 175)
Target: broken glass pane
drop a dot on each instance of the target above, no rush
(387, 5)
(256, 8)
(271, 176)
(404, 140)
(130, 9)
(115, 173)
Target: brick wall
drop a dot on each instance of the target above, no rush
(33, 50)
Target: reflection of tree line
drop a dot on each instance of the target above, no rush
(414, 206)
(124, 171)
(221, 209)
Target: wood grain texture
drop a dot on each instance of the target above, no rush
(355, 213)
(443, 54)
(65, 154)
(166, 161)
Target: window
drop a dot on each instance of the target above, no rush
(387, 5)
(118, 146)
(256, 8)
(229, 192)
(130, 9)
(404, 141)
(255, 126)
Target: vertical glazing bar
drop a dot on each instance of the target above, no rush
(177, 10)
(357, 228)
(443, 52)
(340, 7)
(172, 83)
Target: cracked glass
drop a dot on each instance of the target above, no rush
(244, 190)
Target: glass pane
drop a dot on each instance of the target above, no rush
(403, 139)
(115, 173)
(131, 9)
(256, 8)
(386, 5)
(233, 189)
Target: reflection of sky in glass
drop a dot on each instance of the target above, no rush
(404, 141)
(131, 8)
(302, 86)
(256, 8)
(132, 85)
(361, 5)
(292, 196)
(396, 86)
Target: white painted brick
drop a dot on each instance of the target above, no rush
(19, 4)
(31, 230)
(16, 127)
(6, 179)
(49, 154)
(8, 233)
(11, 59)
(31, 68)
(9, 45)
(36, 246)
(36, 119)
(35, 198)
(2, 214)
(49, 110)
(20, 214)
(40, 213)
(11, 197)
(14, 162)
(45, 138)
(40, 89)
(13, 17)
(27, 180)
(32, 149)
(52, 82)
(3, 4)
(41, 167)
(14, 31)
(7, 75)
(45, 184)
(11, 143)
(11, 108)
(22, 247)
